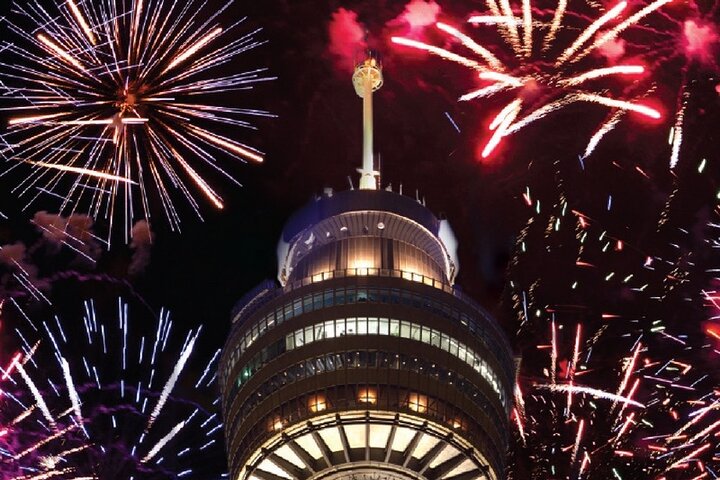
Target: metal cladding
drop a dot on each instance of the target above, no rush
(367, 361)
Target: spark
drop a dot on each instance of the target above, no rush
(125, 95)
(597, 393)
(590, 31)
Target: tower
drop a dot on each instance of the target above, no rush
(366, 362)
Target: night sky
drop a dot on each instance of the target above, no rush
(624, 188)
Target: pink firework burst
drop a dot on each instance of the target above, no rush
(537, 77)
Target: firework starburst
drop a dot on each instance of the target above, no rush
(115, 105)
(100, 401)
(541, 78)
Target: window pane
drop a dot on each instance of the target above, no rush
(384, 326)
(340, 327)
(405, 329)
(362, 326)
(330, 329)
(372, 326)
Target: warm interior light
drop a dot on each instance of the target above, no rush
(276, 423)
(317, 403)
(457, 423)
(361, 266)
(417, 403)
(367, 395)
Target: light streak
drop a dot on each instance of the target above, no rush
(472, 45)
(62, 54)
(610, 102)
(597, 393)
(81, 21)
(590, 31)
(83, 171)
(440, 52)
(125, 94)
(603, 72)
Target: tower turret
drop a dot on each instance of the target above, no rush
(366, 362)
(367, 79)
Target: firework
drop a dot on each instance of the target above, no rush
(115, 105)
(542, 80)
(99, 400)
(619, 382)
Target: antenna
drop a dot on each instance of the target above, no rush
(367, 79)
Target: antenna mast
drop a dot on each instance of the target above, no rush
(367, 79)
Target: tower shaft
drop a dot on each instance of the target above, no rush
(368, 78)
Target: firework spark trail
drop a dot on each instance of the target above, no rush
(121, 94)
(616, 31)
(677, 132)
(114, 423)
(469, 43)
(561, 85)
(597, 393)
(163, 441)
(578, 439)
(590, 31)
(604, 129)
(170, 384)
(440, 52)
(72, 392)
(36, 394)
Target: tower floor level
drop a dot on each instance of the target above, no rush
(366, 362)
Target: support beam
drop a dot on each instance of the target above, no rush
(391, 439)
(326, 453)
(302, 454)
(445, 467)
(262, 474)
(407, 454)
(344, 440)
(475, 474)
(431, 455)
(367, 436)
(288, 467)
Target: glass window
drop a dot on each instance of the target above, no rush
(362, 326)
(308, 335)
(351, 326)
(372, 326)
(415, 332)
(394, 327)
(384, 326)
(405, 329)
(445, 342)
(340, 327)
(328, 298)
(426, 334)
(435, 338)
(299, 339)
(330, 329)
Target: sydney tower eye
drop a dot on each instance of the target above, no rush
(365, 362)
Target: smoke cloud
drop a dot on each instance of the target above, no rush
(347, 39)
(141, 244)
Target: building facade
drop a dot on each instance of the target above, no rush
(366, 361)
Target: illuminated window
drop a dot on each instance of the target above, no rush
(317, 403)
(367, 395)
(417, 403)
(275, 424)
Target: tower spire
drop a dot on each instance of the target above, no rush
(368, 78)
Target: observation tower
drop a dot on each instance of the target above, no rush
(365, 362)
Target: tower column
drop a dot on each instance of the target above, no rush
(368, 78)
